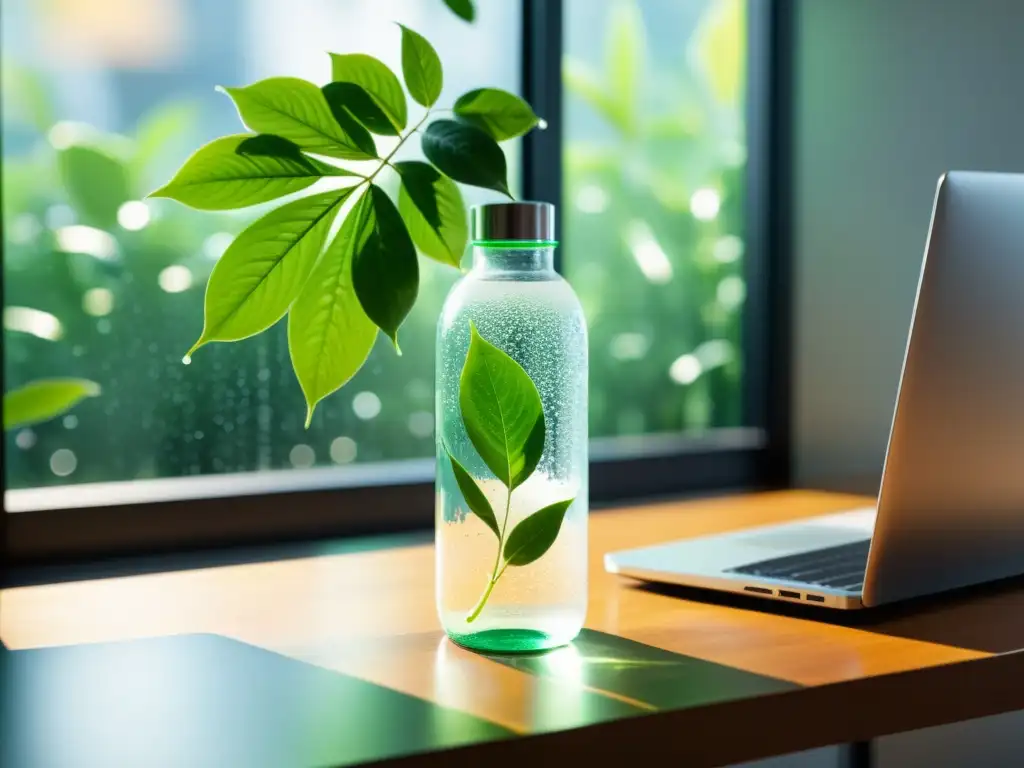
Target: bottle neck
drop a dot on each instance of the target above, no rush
(512, 260)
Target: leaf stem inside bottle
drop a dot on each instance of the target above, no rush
(495, 573)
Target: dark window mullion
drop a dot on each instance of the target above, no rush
(542, 88)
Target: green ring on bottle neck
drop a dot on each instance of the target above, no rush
(514, 243)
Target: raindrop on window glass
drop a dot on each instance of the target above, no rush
(343, 450)
(98, 302)
(302, 456)
(731, 292)
(26, 439)
(728, 249)
(63, 462)
(421, 423)
(175, 278)
(366, 405)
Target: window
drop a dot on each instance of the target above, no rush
(656, 152)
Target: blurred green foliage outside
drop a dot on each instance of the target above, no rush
(653, 214)
(101, 285)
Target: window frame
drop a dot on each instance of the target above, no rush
(73, 523)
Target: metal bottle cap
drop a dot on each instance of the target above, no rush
(530, 221)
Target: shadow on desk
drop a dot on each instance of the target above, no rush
(987, 617)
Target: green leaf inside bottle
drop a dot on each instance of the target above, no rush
(504, 419)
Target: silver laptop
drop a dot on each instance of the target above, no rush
(950, 510)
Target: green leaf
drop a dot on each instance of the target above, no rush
(535, 535)
(421, 68)
(418, 179)
(96, 183)
(624, 47)
(243, 170)
(26, 95)
(297, 110)
(263, 270)
(268, 145)
(501, 114)
(502, 411)
(159, 129)
(44, 399)
(385, 271)
(466, 154)
(376, 79)
(432, 208)
(718, 47)
(474, 497)
(462, 8)
(349, 101)
(349, 123)
(329, 334)
(583, 82)
(585, 159)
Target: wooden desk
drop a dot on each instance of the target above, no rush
(702, 680)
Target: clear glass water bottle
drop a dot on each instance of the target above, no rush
(511, 525)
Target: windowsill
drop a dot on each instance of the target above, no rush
(86, 522)
(370, 474)
(239, 484)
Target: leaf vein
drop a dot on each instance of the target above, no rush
(501, 416)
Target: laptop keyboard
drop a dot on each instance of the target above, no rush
(839, 567)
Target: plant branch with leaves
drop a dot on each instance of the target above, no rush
(338, 292)
(504, 419)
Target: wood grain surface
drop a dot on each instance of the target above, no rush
(371, 615)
